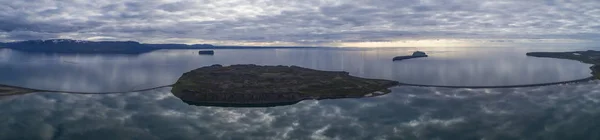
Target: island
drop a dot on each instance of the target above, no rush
(206, 52)
(264, 86)
(588, 57)
(415, 54)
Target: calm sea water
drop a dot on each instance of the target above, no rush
(550, 112)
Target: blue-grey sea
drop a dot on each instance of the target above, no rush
(558, 112)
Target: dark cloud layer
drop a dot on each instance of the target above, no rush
(302, 22)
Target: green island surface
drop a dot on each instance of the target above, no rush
(588, 57)
(254, 85)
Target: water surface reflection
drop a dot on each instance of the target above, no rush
(549, 112)
(458, 66)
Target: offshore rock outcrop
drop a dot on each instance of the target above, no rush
(206, 52)
(415, 54)
(259, 86)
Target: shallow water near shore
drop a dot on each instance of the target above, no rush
(548, 112)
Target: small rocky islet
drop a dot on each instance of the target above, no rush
(257, 86)
(206, 52)
(416, 54)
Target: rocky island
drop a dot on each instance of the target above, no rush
(206, 52)
(260, 86)
(415, 54)
(588, 57)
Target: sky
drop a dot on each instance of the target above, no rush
(350, 23)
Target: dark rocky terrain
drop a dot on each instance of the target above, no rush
(253, 85)
(10, 90)
(415, 54)
(206, 52)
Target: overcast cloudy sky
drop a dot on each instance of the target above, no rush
(305, 22)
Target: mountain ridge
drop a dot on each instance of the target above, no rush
(112, 47)
(86, 46)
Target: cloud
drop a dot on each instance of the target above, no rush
(303, 22)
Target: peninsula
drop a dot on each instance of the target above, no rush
(260, 86)
(6, 90)
(588, 57)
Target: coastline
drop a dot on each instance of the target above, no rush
(506, 86)
(278, 99)
(587, 57)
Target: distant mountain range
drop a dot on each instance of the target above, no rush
(117, 47)
(82, 46)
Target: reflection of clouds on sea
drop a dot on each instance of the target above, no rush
(561, 111)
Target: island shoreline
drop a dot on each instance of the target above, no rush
(506, 86)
